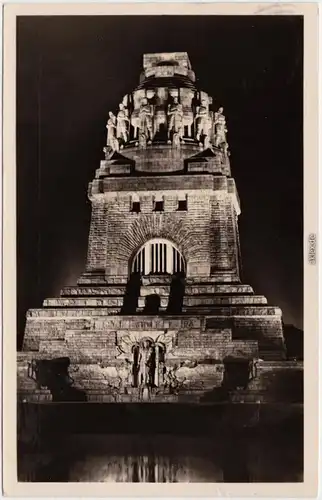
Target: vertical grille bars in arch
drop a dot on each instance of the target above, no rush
(158, 256)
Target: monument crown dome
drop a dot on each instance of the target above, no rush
(172, 81)
(167, 64)
(167, 108)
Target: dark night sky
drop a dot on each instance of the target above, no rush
(72, 70)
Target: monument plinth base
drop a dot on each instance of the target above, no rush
(84, 354)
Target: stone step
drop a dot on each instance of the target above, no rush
(98, 291)
(157, 280)
(213, 288)
(206, 300)
(84, 302)
(161, 290)
(73, 312)
(160, 287)
(233, 310)
(217, 278)
(92, 279)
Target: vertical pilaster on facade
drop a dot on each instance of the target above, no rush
(146, 203)
(221, 255)
(238, 260)
(233, 249)
(97, 241)
(171, 203)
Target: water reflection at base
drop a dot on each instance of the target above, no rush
(165, 459)
(145, 469)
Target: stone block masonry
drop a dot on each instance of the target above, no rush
(160, 313)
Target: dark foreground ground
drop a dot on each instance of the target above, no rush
(158, 443)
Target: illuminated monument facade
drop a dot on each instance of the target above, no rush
(160, 313)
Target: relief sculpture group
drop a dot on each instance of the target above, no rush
(171, 119)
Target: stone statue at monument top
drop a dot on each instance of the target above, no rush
(145, 119)
(220, 127)
(175, 114)
(122, 123)
(202, 120)
(112, 141)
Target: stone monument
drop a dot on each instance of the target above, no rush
(161, 313)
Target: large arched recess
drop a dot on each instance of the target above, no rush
(158, 256)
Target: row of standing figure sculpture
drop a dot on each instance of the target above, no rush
(209, 128)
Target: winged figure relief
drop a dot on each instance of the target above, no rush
(167, 339)
(125, 345)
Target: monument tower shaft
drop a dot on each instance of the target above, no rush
(196, 211)
(160, 312)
